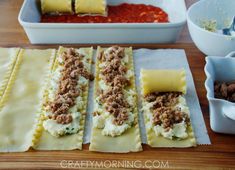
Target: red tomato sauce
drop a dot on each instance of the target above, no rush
(124, 13)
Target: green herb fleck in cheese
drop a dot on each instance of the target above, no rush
(58, 130)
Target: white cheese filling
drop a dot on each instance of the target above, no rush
(52, 126)
(179, 130)
(103, 85)
(57, 130)
(105, 123)
(54, 83)
(105, 120)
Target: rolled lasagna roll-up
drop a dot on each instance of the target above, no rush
(58, 6)
(90, 7)
(163, 81)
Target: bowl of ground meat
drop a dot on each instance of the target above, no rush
(220, 86)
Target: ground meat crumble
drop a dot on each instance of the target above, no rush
(67, 92)
(225, 91)
(163, 111)
(113, 74)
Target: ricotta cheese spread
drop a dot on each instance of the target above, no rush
(51, 125)
(105, 120)
(179, 130)
(58, 130)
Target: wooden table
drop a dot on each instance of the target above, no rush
(221, 154)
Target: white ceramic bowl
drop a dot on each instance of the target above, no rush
(222, 112)
(208, 42)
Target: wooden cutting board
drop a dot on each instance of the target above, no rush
(221, 154)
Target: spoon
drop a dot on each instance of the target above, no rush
(228, 31)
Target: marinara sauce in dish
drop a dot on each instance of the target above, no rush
(124, 13)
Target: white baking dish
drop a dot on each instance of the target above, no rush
(70, 33)
(222, 112)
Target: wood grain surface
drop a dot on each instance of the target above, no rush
(219, 155)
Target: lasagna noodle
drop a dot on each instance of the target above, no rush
(130, 140)
(43, 140)
(58, 6)
(7, 61)
(21, 100)
(160, 141)
(90, 7)
(163, 81)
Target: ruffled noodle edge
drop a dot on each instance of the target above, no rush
(13, 59)
(94, 146)
(10, 78)
(41, 117)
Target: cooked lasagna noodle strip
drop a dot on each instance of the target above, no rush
(90, 7)
(115, 119)
(167, 117)
(21, 99)
(61, 123)
(173, 80)
(7, 61)
(56, 6)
